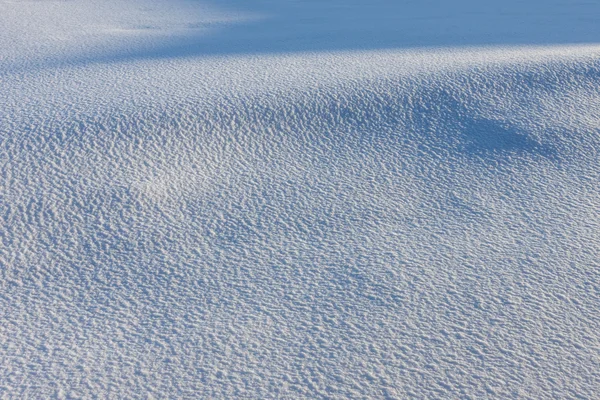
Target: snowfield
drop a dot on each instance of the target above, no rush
(190, 211)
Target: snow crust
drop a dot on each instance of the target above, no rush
(340, 224)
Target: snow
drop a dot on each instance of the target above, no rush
(244, 200)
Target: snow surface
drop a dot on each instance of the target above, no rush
(182, 219)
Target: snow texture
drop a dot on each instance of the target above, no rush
(183, 220)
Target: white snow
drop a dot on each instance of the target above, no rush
(204, 200)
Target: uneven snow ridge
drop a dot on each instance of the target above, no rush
(356, 224)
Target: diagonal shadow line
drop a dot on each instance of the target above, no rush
(338, 25)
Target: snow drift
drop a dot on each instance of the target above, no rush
(388, 223)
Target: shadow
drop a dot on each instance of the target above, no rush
(484, 136)
(291, 26)
(311, 25)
